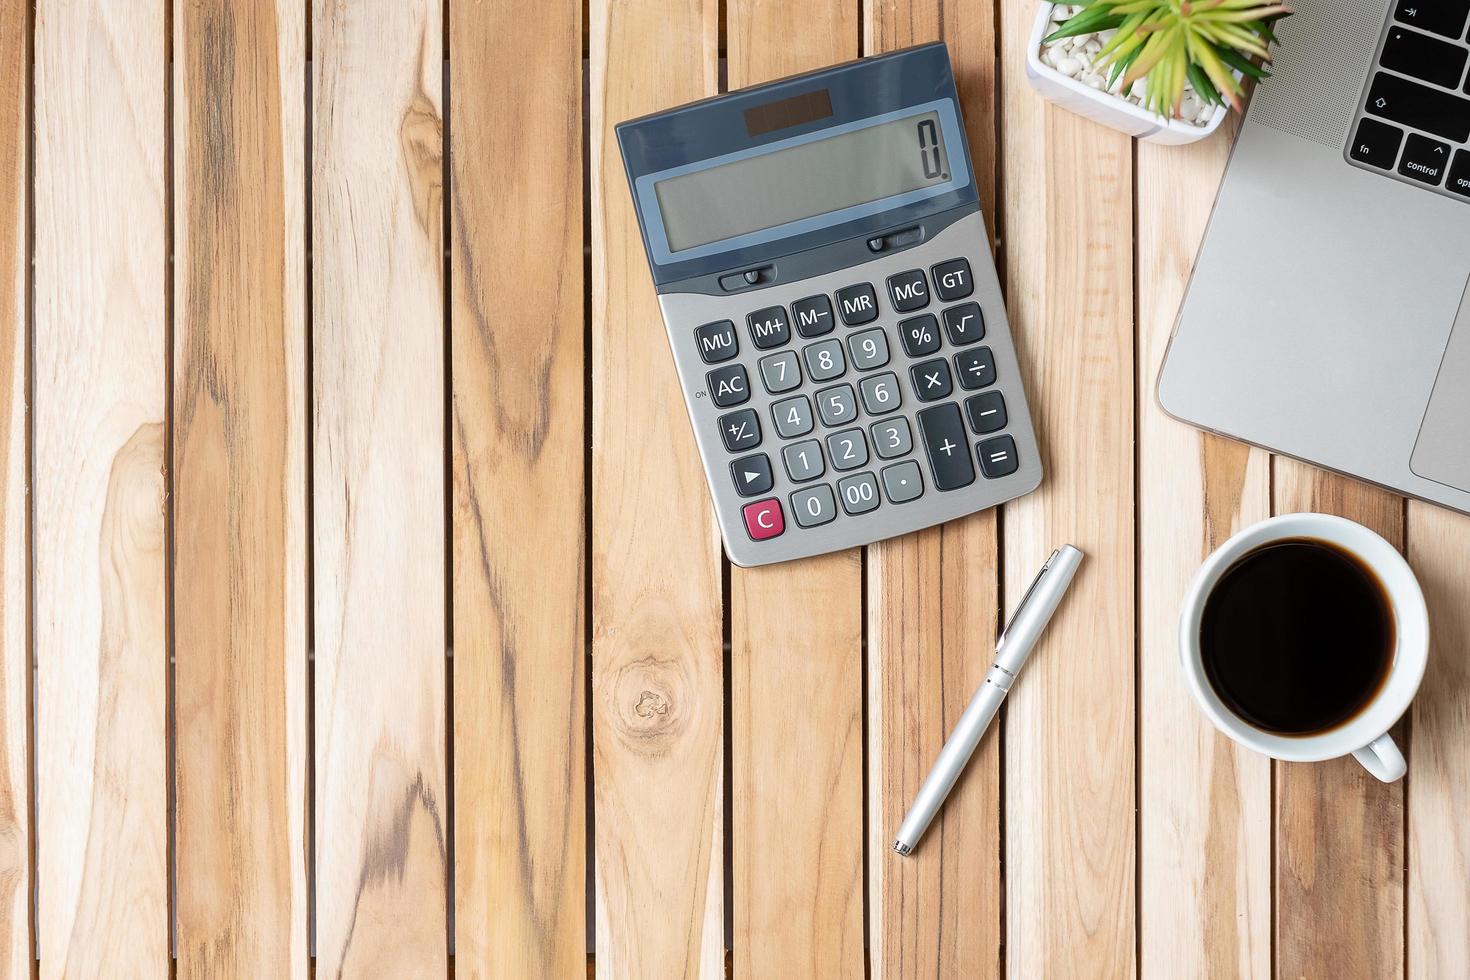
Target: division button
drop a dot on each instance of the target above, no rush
(975, 368)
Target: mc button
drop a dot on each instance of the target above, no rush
(909, 291)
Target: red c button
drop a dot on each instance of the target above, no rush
(763, 519)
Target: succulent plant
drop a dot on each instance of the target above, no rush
(1170, 42)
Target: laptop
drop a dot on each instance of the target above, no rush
(1328, 317)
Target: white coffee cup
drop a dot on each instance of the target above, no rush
(1365, 735)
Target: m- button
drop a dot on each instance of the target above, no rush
(952, 279)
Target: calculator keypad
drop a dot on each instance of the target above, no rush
(855, 432)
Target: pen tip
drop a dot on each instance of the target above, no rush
(901, 847)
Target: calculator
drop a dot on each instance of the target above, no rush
(835, 317)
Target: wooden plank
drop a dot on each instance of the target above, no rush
(1339, 875)
(657, 719)
(99, 430)
(15, 839)
(1205, 814)
(379, 495)
(1069, 776)
(1438, 547)
(240, 486)
(933, 599)
(796, 679)
(519, 640)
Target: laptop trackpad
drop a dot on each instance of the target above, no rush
(1442, 453)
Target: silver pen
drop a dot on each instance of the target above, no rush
(1015, 644)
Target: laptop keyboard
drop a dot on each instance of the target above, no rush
(1416, 115)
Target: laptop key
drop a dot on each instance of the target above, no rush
(1460, 174)
(1420, 107)
(1422, 56)
(1376, 143)
(1446, 17)
(1425, 159)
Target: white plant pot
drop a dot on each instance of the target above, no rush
(1102, 106)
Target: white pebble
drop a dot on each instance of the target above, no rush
(1069, 66)
(1047, 59)
(1094, 80)
(1107, 35)
(1188, 107)
(1206, 113)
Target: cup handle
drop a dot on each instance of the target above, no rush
(1382, 758)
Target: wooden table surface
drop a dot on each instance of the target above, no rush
(362, 607)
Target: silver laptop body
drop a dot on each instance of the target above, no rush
(1328, 317)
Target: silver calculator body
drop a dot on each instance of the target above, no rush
(833, 310)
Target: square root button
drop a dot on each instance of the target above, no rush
(763, 519)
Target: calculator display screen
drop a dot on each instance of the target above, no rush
(809, 179)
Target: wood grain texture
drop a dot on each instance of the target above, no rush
(378, 363)
(1438, 548)
(932, 604)
(1339, 875)
(15, 793)
(519, 640)
(240, 488)
(100, 586)
(1205, 817)
(796, 676)
(657, 718)
(1070, 720)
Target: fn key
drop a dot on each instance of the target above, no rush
(947, 445)
(1376, 144)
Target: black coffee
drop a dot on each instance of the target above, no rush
(1297, 636)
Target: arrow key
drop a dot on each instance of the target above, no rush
(1424, 159)
(752, 474)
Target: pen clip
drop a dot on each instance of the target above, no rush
(1026, 598)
